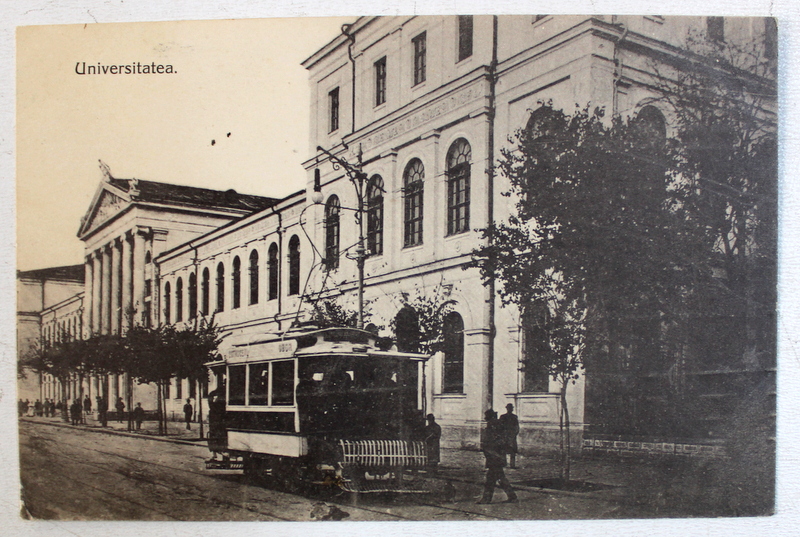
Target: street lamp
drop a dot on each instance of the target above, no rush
(358, 179)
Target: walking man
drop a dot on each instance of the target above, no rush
(87, 404)
(187, 413)
(493, 447)
(509, 423)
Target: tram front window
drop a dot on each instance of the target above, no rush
(357, 397)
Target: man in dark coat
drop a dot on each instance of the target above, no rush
(433, 432)
(87, 404)
(493, 447)
(187, 413)
(75, 411)
(138, 415)
(120, 409)
(509, 423)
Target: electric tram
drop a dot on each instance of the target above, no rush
(335, 406)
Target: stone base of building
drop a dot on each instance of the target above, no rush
(535, 440)
(606, 445)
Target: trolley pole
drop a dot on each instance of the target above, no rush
(357, 179)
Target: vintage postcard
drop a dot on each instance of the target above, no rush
(398, 268)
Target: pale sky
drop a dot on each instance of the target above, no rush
(238, 76)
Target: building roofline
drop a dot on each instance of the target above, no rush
(334, 43)
(61, 273)
(283, 204)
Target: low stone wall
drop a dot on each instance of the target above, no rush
(633, 448)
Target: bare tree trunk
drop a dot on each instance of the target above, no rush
(129, 390)
(160, 412)
(200, 405)
(565, 441)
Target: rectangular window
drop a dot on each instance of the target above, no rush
(380, 81)
(236, 384)
(419, 58)
(283, 383)
(333, 110)
(715, 28)
(259, 381)
(464, 36)
(178, 388)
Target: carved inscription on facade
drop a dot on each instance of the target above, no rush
(427, 114)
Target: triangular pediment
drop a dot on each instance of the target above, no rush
(105, 205)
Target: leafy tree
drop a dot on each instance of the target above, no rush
(598, 245)
(418, 327)
(725, 152)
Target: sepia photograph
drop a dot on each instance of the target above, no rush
(397, 268)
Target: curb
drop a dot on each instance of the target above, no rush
(198, 443)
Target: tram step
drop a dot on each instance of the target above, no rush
(224, 465)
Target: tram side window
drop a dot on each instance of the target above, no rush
(236, 384)
(283, 382)
(259, 380)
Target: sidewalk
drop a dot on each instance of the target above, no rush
(176, 431)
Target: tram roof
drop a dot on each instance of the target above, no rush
(312, 342)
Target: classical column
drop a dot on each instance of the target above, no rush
(138, 272)
(105, 314)
(88, 282)
(115, 287)
(127, 292)
(97, 263)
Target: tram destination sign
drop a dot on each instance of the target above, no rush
(262, 351)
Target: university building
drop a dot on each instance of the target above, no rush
(423, 106)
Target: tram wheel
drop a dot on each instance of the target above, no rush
(289, 474)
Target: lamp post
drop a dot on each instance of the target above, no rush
(358, 179)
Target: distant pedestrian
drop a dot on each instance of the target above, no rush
(493, 447)
(120, 409)
(87, 405)
(138, 415)
(187, 413)
(509, 424)
(102, 410)
(37, 408)
(433, 432)
(28, 408)
(75, 411)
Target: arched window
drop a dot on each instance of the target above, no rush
(375, 215)
(220, 287)
(406, 329)
(332, 209)
(148, 258)
(272, 271)
(253, 277)
(167, 297)
(535, 350)
(458, 171)
(650, 126)
(179, 300)
(206, 285)
(192, 295)
(236, 280)
(453, 337)
(294, 265)
(413, 183)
